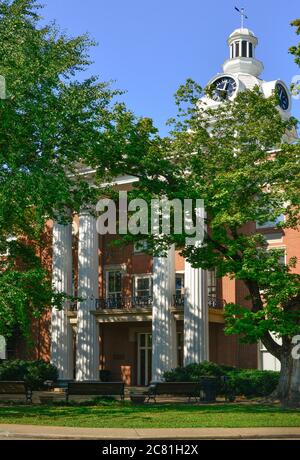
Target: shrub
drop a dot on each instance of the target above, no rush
(251, 382)
(230, 381)
(12, 370)
(193, 373)
(35, 373)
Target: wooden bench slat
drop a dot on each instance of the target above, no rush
(12, 387)
(15, 388)
(95, 389)
(190, 389)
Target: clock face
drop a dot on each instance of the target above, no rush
(283, 96)
(223, 88)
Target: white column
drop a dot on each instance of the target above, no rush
(163, 322)
(61, 331)
(196, 316)
(87, 349)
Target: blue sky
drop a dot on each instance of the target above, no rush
(151, 47)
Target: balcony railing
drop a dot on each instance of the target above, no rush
(213, 302)
(127, 303)
(123, 303)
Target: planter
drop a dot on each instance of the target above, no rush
(138, 399)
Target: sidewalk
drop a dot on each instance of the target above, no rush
(8, 432)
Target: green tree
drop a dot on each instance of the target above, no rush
(50, 123)
(238, 159)
(295, 51)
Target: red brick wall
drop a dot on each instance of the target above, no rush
(227, 350)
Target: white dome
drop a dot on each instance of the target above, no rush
(242, 32)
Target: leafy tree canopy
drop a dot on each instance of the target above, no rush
(239, 160)
(51, 122)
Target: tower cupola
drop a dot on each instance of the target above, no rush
(242, 48)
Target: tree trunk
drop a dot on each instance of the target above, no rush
(288, 390)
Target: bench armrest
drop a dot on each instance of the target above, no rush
(151, 390)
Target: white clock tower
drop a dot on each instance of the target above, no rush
(243, 71)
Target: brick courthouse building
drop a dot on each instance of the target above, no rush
(146, 315)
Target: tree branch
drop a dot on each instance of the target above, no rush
(273, 347)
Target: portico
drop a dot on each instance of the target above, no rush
(158, 314)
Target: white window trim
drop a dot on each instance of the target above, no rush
(282, 248)
(107, 272)
(142, 276)
(182, 274)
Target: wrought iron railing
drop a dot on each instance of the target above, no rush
(129, 302)
(73, 306)
(216, 303)
(213, 302)
(126, 303)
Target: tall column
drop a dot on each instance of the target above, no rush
(196, 317)
(61, 331)
(163, 322)
(87, 349)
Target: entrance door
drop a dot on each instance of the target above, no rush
(144, 358)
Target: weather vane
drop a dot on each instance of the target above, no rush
(243, 15)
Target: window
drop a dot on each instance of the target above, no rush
(250, 50)
(271, 224)
(179, 284)
(212, 284)
(144, 358)
(237, 49)
(231, 52)
(180, 349)
(244, 48)
(143, 286)
(274, 237)
(140, 247)
(282, 257)
(114, 284)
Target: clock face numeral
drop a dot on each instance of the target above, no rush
(282, 96)
(223, 88)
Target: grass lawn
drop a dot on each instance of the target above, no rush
(124, 415)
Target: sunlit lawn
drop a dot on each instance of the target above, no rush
(124, 415)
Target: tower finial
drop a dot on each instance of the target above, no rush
(242, 12)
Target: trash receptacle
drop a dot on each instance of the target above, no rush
(208, 389)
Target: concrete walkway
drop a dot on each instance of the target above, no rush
(9, 432)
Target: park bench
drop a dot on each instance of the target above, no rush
(95, 389)
(188, 389)
(16, 388)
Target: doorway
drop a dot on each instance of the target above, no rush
(144, 358)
